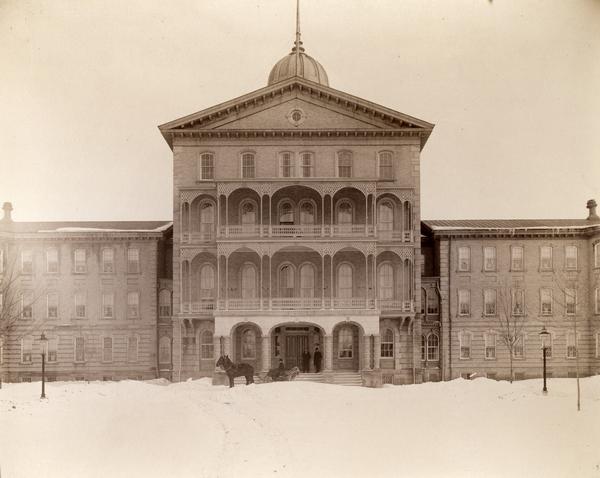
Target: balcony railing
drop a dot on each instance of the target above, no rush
(293, 231)
(297, 303)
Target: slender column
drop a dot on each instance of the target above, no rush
(322, 281)
(328, 346)
(261, 217)
(367, 352)
(261, 280)
(266, 353)
(270, 283)
(366, 214)
(217, 352)
(270, 219)
(218, 214)
(376, 350)
(331, 215)
(367, 305)
(226, 282)
(375, 277)
(322, 215)
(227, 347)
(331, 283)
(176, 350)
(227, 216)
(218, 279)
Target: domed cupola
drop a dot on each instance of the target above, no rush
(301, 65)
(298, 63)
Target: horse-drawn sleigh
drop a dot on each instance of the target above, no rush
(233, 370)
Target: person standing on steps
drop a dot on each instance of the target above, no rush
(317, 358)
(306, 360)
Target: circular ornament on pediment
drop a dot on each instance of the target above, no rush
(296, 116)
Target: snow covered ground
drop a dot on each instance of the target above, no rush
(478, 428)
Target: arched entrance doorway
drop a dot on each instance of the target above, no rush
(346, 339)
(290, 341)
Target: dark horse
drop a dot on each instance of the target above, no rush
(236, 370)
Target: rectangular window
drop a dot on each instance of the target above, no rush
(52, 261)
(108, 305)
(307, 165)
(489, 302)
(79, 259)
(546, 301)
(1, 260)
(108, 261)
(133, 260)
(465, 346)
(571, 258)
(516, 258)
(26, 349)
(79, 349)
(571, 345)
(248, 166)
(80, 300)
(546, 258)
(207, 166)
(518, 301)
(286, 166)
(490, 346)
(464, 302)
(570, 301)
(52, 349)
(597, 344)
(27, 261)
(52, 305)
(345, 164)
(519, 347)
(597, 254)
(133, 305)
(464, 259)
(107, 349)
(27, 304)
(132, 349)
(489, 258)
(386, 170)
(597, 300)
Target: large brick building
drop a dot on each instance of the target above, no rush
(296, 225)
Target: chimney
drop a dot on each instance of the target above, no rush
(7, 208)
(591, 205)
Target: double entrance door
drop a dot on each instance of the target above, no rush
(295, 345)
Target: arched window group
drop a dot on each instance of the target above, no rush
(249, 281)
(430, 347)
(305, 213)
(292, 165)
(345, 281)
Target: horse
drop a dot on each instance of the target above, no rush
(236, 370)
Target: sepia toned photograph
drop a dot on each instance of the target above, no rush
(299, 238)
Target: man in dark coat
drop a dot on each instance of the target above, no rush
(306, 361)
(317, 358)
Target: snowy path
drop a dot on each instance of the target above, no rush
(462, 428)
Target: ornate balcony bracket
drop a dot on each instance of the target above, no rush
(324, 248)
(323, 187)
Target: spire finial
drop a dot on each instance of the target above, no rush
(298, 42)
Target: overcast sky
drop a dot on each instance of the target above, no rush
(512, 86)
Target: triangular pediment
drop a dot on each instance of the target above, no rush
(321, 108)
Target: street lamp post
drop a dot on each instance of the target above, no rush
(544, 334)
(44, 343)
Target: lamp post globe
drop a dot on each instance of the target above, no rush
(544, 335)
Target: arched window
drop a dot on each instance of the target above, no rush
(248, 281)
(387, 343)
(286, 281)
(164, 349)
(207, 166)
(248, 215)
(386, 170)
(345, 164)
(286, 165)
(307, 280)
(207, 219)
(307, 165)
(307, 213)
(345, 343)
(433, 343)
(248, 171)
(344, 213)
(286, 213)
(207, 281)
(423, 347)
(206, 345)
(407, 217)
(164, 303)
(344, 281)
(385, 217)
(248, 345)
(386, 281)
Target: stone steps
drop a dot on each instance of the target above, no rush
(353, 379)
(347, 378)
